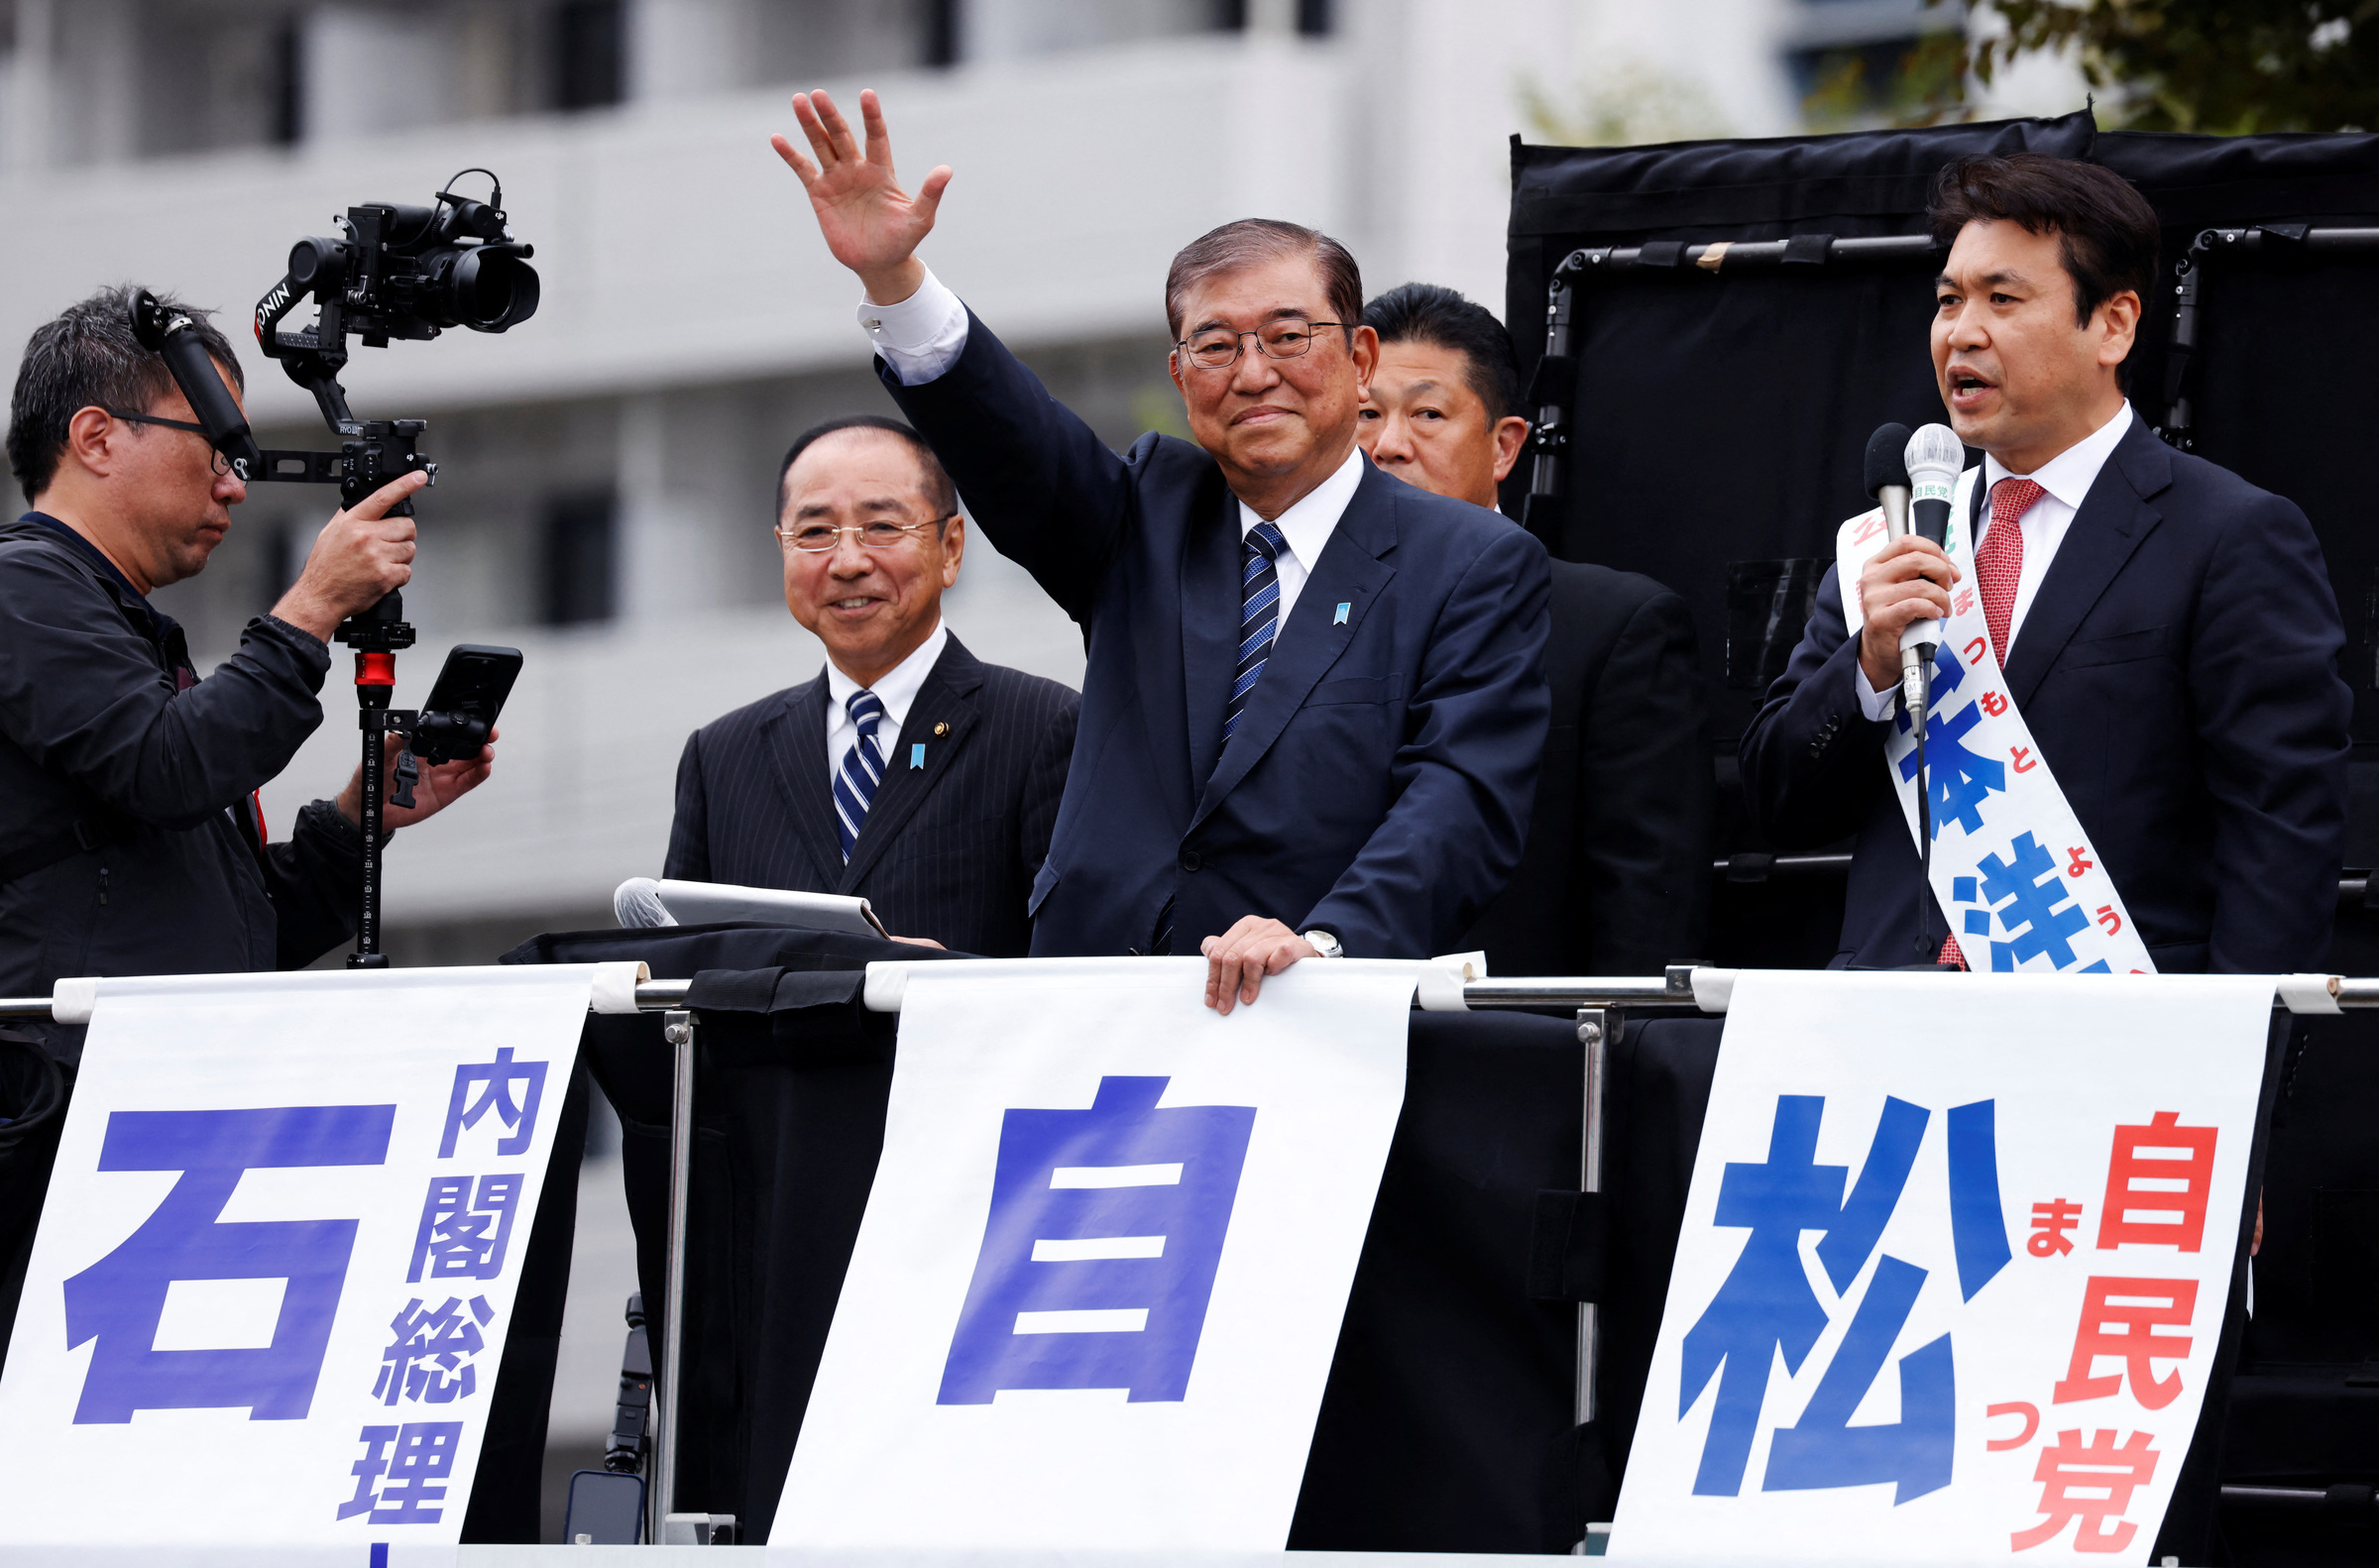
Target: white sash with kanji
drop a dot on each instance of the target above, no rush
(2021, 882)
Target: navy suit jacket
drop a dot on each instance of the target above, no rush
(2179, 669)
(947, 851)
(1381, 777)
(1616, 875)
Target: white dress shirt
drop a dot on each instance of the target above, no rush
(896, 691)
(2064, 480)
(1306, 527)
(922, 337)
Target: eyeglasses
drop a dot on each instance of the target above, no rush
(1217, 348)
(222, 462)
(817, 538)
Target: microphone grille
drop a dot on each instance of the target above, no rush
(1935, 453)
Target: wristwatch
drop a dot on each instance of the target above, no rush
(1325, 943)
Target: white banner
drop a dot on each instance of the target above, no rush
(1099, 1284)
(2021, 885)
(277, 1265)
(1954, 1266)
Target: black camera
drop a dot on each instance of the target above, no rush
(393, 273)
(412, 271)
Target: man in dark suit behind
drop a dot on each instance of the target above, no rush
(909, 772)
(2167, 629)
(1616, 876)
(1315, 696)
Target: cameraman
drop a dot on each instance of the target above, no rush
(131, 842)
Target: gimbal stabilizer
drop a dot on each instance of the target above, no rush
(395, 271)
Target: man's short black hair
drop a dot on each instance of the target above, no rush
(88, 358)
(939, 493)
(1438, 316)
(2106, 229)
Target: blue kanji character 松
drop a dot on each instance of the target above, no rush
(463, 1237)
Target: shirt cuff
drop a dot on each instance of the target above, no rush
(922, 336)
(1877, 706)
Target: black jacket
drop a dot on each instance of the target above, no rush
(104, 726)
(2178, 669)
(1616, 875)
(948, 852)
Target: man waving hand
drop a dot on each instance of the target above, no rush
(1315, 703)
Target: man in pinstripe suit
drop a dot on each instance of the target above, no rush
(908, 772)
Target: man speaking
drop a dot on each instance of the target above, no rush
(1314, 700)
(2164, 630)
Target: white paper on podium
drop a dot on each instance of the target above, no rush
(1024, 1354)
(1909, 1190)
(259, 1179)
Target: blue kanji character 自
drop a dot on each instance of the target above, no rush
(428, 1361)
(495, 1080)
(1959, 780)
(120, 1298)
(1099, 1256)
(2026, 893)
(463, 1239)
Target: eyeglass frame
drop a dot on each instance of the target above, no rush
(222, 462)
(910, 529)
(1239, 348)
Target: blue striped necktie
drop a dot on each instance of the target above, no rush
(1259, 616)
(861, 771)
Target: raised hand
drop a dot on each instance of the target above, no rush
(872, 226)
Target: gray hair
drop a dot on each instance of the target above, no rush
(1244, 244)
(88, 358)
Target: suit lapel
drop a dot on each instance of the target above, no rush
(2115, 520)
(1210, 604)
(797, 752)
(945, 698)
(1351, 573)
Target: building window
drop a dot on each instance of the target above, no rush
(581, 550)
(288, 83)
(941, 33)
(1313, 18)
(589, 54)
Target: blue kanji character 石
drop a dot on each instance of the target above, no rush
(120, 1298)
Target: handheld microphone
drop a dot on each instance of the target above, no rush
(1887, 476)
(1934, 457)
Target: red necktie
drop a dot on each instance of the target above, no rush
(1998, 567)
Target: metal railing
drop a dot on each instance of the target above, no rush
(1601, 1004)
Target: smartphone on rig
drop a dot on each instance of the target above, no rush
(463, 705)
